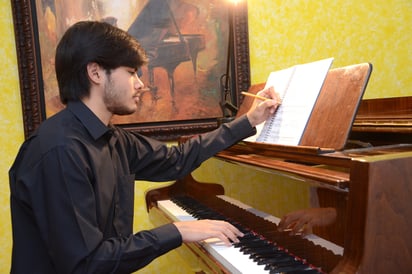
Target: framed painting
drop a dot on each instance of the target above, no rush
(197, 49)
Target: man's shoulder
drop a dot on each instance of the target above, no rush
(59, 129)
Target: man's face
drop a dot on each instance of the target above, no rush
(122, 91)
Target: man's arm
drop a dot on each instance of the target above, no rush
(175, 162)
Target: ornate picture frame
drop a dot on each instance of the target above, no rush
(32, 83)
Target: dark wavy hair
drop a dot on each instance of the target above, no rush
(91, 41)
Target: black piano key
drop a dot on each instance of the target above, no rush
(263, 258)
(304, 271)
(276, 260)
(255, 242)
(261, 240)
(250, 237)
(290, 269)
(245, 238)
(252, 251)
(250, 246)
(243, 229)
(258, 247)
(286, 266)
(266, 250)
(247, 246)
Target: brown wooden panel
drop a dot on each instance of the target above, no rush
(383, 121)
(324, 177)
(388, 237)
(385, 108)
(334, 112)
(356, 216)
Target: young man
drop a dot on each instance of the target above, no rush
(72, 182)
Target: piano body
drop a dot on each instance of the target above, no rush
(157, 30)
(367, 178)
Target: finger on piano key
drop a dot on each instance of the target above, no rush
(246, 254)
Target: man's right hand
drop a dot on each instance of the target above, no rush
(195, 231)
(262, 109)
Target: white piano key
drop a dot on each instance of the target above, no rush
(229, 256)
(174, 210)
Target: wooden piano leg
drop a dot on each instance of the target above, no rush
(152, 87)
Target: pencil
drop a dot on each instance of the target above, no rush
(254, 96)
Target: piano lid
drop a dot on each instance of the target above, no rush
(154, 23)
(150, 24)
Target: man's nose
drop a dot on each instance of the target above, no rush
(138, 83)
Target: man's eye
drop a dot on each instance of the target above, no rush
(137, 72)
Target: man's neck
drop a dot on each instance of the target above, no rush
(99, 109)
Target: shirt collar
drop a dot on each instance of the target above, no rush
(91, 122)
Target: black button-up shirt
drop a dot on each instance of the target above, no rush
(72, 190)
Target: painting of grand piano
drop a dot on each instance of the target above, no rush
(187, 45)
(174, 35)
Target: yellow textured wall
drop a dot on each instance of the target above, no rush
(297, 31)
(283, 33)
(11, 126)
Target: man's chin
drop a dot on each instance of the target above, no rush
(123, 112)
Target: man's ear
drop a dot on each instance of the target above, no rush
(94, 71)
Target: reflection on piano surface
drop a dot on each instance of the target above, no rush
(370, 187)
(158, 32)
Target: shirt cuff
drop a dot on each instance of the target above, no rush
(169, 237)
(242, 127)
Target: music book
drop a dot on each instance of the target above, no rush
(299, 87)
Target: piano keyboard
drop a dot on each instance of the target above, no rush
(254, 253)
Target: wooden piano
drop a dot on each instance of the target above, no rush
(361, 166)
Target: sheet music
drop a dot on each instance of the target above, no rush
(299, 87)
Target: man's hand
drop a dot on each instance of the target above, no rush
(302, 221)
(194, 231)
(262, 109)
